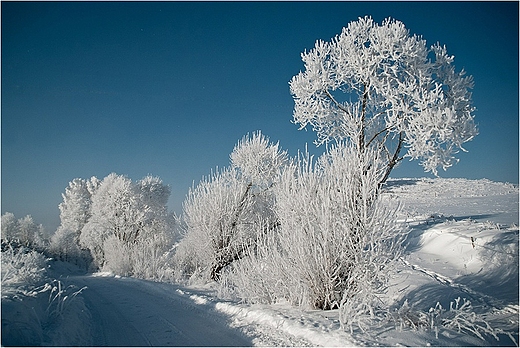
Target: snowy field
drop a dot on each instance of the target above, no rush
(457, 285)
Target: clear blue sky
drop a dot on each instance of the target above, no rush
(168, 88)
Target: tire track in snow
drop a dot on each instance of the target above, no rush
(131, 312)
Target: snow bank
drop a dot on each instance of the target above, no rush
(279, 324)
(480, 200)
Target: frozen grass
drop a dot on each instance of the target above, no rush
(37, 310)
(20, 266)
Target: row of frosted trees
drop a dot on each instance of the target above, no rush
(268, 228)
(112, 224)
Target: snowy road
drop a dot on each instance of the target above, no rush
(129, 312)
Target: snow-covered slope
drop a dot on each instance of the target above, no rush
(462, 251)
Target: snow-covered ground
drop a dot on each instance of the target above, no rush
(462, 248)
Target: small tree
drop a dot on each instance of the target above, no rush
(377, 86)
(75, 211)
(23, 231)
(10, 228)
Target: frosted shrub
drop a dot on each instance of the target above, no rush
(143, 259)
(150, 257)
(262, 275)
(215, 213)
(21, 266)
(334, 228)
(187, 264)
(117, 256)
(335, 242)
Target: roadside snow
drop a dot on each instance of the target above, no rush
(44, 311)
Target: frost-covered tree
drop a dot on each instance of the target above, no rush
(32, 234)
(10, 227)
(156, 225)
(221, 214)
(111, 214)
(23, 231)
(151, 207)
(129, 226)
(74, 215)
(380, 87)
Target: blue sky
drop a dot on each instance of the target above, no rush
(168, 88)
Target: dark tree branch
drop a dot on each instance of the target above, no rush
(378, 134)
(394, 160)
(338, 104)
(226, 254)
(361, 140)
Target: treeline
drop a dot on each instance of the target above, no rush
(112, 224)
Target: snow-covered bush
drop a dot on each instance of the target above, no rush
(117, 258)
(150, 257)
(336, 241)
(222, 213)
(262, 275)
(215, 213)
(21, 265)
(380, 87)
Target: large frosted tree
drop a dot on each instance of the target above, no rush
(124, 217)
(378, 86)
